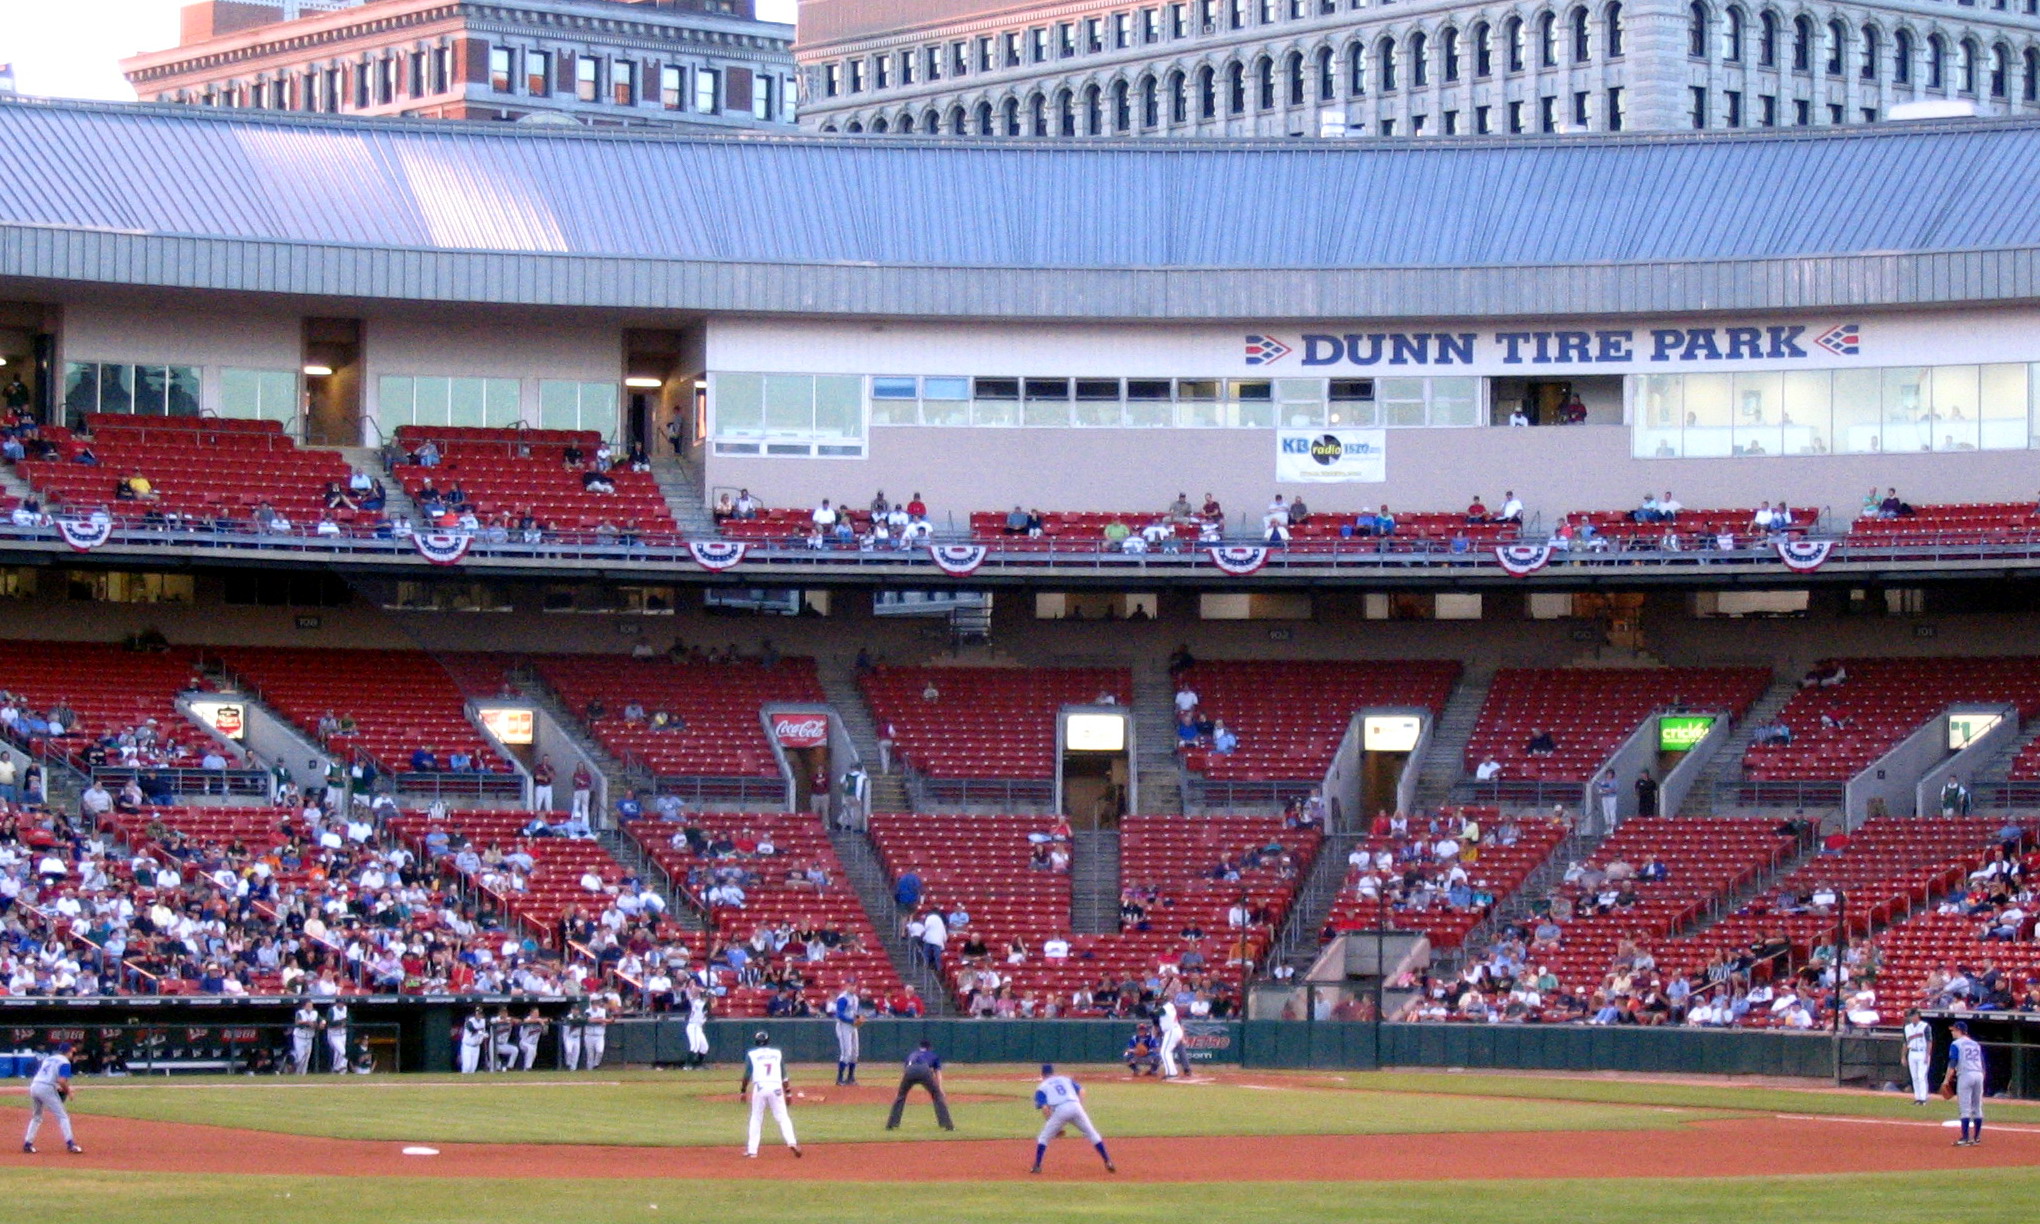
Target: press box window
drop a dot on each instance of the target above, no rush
(995, 401)
(795, 415)
(1352, 402)
(1047, 402)
(259, 395)
(144, 390)
(1098, 402)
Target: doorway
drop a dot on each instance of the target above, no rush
(1095, 780)
(812, 785)
(333, 378)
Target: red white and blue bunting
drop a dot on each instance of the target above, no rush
(716, 555)
(1239, 560)
(1804, 556)
(957, 560)
(1523, 560)
(85, 534)
(442, 547)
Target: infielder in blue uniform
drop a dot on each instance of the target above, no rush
(1061, 1102)
(848, 1011)
(1965, 1076)
(47, 1093)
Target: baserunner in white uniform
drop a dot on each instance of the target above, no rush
(1172, 1040)
(1919, 1043)
(1965, 1072)
(1061, 1102)
(765, 1079)
(47, 1093)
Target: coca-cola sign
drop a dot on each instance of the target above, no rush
(800, 730)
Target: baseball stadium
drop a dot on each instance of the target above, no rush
(570, 674)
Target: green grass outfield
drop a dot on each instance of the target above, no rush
(668, 1108)
(57, 1197)
(661, 1109)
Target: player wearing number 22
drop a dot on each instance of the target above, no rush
(1061, 1102)
(765, 1078)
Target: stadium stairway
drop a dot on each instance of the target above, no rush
(874, 890)
(1727, 763)
(1537, 886)
(1297, 942)
(12, 485)
(1094, 882)
(1763, 882)
(680, 483)
(1445, 758)
(615, 774)
(839, 684)
(1997, 770)
(369, 459)
(1154, 733)
(680, 909)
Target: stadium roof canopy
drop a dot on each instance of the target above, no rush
(1889, 215)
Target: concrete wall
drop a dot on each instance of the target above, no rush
(272, 740)
(1964, 764)
(1894, 776)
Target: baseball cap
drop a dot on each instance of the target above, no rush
(1048, 1068)
(760, 1037)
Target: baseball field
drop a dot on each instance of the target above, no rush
(601, 1148)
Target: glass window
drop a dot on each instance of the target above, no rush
(1951, 412)
(467, 404)
(1905, 407)
(672, 87)
(577, 405)
(1047, 402)
(1353, 402)
(500, 69)
(1659, 411)
(839, 408)
(260, 395)
(1150, 403)
(623, 83)
(1252, 403)
(1301, 402)
(995, 401)
(705, 90)
(789, 404)
(1710, 415)
(1804, 425)
(1759, 399)
(2001, 403)
(538, 73)
(1402, 401)
(1859, 412)
(1197, 402)
(585, 86)
(1098, 403)
(945, 401)
(1455, 402)
(147, 390)
(894, 401)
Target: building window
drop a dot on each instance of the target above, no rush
(1037, 45)
(442, 69)
(334, 99)
(1612, 22)
(672, 87)
(1802, 112)
(1615, 109)
(1483, 120)
(1581, 48)
(1011, 43)
(2000, 70)
(1970, 55)
(1264, 75)
(259, 395)
(1732, 36)
(1385, 74)
(1515, 118)
(1512, 37)
(623, 83)
(1855, 411)
(1838, 47)
(1767, 111)
(363, 85)
(385, 80)
(986, 57)
(1835, 113)
(1937, 58)
(538, 80)
(577, 405)
(705, 91)
(1697, 113)
(959, 59)
(586, 86)
(1731, 103)
(801, 415)
(1420, 60)
(1449, 54)
(1696, 30)
(1094, 111)
(931, 63)
(1417, 124)
(1066, 40)
(418, 77)
(1327, 75)
(1547, 113)
(1296, 79)
(143, 390)
(1207, 92)
(1767, 39)
(1901, 56)
(1150, 103)
(1547, 40)
(1451, 123)
(1802, 44)
(1236, 83)
(1483, 53)
(764, 92)
(1871, 52)
(1122, 107)
(1356, 60)
(425, 399)
(1388, 127)
(2030, 90)
(1579, 110)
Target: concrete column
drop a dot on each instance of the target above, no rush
(1655, 97)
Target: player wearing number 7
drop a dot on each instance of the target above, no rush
(1061, 1102)
(765, 1079)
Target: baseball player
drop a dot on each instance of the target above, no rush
(1172, 1040)
(1919, 1040)
(765, 1079)
(474, 1034)
(848, 1011)
(1061, 1102)
(1965, 1078)
(571, 1026)
(336, 1037)
(924, 1067)
(304, 1025)
(697, 1025)
(595, 1031)
(47, 1093)
(502, 1041)
(528, 1034)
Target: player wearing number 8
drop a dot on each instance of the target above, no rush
(1061, 1102)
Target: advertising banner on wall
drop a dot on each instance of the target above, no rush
(806, 729)
(1209, 1041)
(1317, 456)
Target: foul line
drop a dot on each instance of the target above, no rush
(2013, 1127)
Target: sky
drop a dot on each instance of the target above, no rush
(73, 48)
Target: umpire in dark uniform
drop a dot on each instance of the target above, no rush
(924, 1067)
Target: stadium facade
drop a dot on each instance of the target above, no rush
(1733, 316)
(1276, 68)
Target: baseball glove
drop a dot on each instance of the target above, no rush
(63, 1092)
(1947, 1090)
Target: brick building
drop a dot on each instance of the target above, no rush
(672, 63)
(1374, 68)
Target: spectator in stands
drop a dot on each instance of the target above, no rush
(1223, 740)
(1774, 734)
(1275, 523)
(1180, 510)
(1298, 512)
(1512, 508)
(929, 692)
(1518, 418)
(1476, 510)
(596, 480)
(1016, 522)
(1540, 743)
(824, 517)
(1116, 534)
(427, 454)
